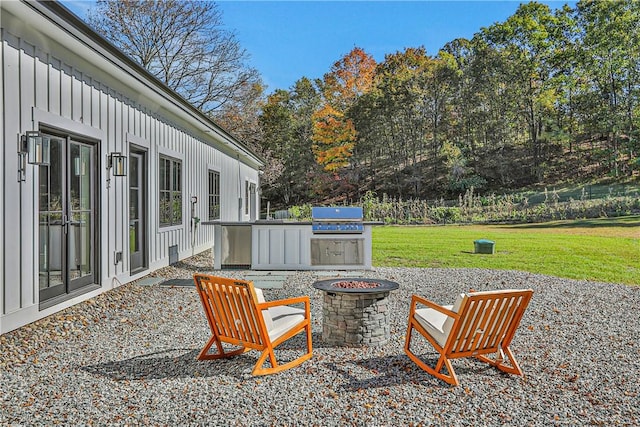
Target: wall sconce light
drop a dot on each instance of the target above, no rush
(118, 164)
(33, 148)
(37, 148)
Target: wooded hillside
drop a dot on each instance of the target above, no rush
(542, 98)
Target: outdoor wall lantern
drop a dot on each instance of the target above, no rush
(118, 164)
(35, 149)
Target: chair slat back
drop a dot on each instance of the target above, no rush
(488, 321)
(231, 310)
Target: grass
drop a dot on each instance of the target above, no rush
(605, 250)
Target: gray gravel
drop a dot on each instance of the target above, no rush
(127, 357)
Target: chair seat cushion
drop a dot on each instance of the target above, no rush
(433, 322)
(283, 318)
(268, 322)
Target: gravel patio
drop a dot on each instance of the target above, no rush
(128, 357)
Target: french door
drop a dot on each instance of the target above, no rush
(67, 218)
(137, 212)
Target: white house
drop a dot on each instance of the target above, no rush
(132, 167)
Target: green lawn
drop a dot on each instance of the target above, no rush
(606, 250)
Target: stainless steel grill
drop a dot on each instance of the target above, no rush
(337, 220)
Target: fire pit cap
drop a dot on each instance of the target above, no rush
(330, 285)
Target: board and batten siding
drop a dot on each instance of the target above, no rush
(54, 82)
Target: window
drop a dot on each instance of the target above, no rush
(170, 180)
(214, 195)
(246, 198)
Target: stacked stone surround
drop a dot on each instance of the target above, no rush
(357, 319)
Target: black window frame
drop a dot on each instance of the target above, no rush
(169, 191)
(214, 195)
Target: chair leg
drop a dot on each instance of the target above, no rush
(499, 362)
(452, 378)
(309, 343)
(203, 355)
(275, 367)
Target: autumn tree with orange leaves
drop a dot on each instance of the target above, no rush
(334, 134)
(334, 138)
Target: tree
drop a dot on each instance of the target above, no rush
(333, 131)
(402, 132)
(183, 44)
(334, 138)
(240, 118)
(486, 122)
(349, 78)
(406, 112)
(526, 45)
(286, 131)
(469, 104)
(610, 57)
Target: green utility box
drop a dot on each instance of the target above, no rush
(484, 246)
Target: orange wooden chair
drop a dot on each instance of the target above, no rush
(477, 324)
(238, 314)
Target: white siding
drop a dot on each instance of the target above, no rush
(11, 195)
(29, 200)
(47, 85)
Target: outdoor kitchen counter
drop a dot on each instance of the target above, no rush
(288, 245)
(258, 222)
(275, 222)
(294, 246)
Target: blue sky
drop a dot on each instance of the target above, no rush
(287, 40)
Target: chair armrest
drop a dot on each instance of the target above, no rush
(415, 299)
(288, 301)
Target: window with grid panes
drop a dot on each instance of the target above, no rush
(214, 195)
(170, 188)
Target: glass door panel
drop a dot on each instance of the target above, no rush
(67, 218)
(137, 212)
(80, 224)
(51, 233)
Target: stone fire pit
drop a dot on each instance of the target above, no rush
(355, 310)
